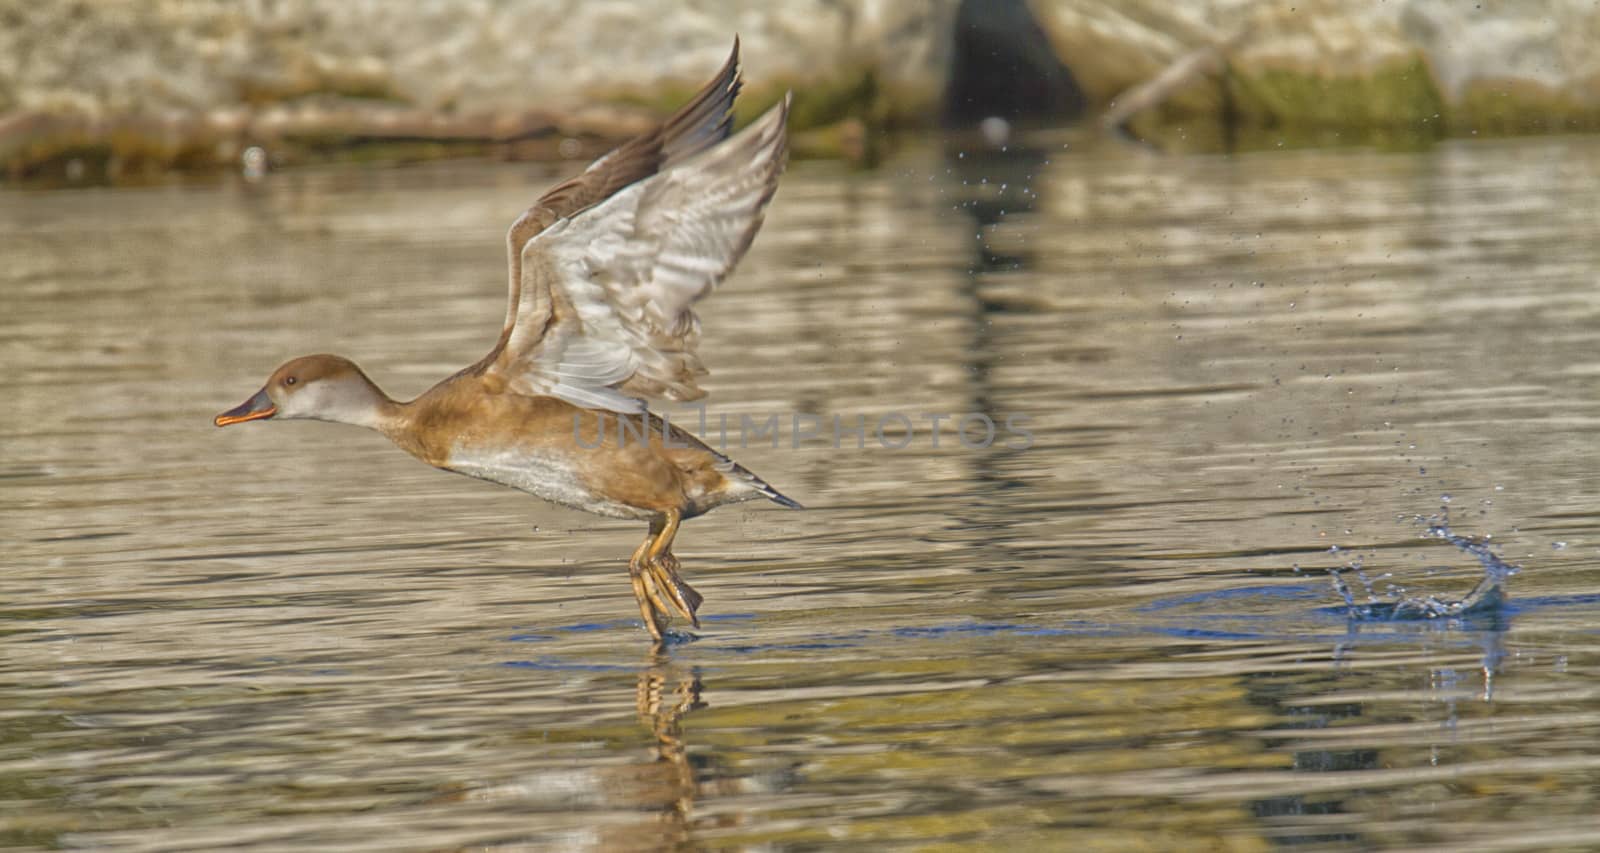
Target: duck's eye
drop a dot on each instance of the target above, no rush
(289, 380)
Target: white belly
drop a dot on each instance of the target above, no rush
(548, 477)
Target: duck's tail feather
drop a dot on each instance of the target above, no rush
(740, 474)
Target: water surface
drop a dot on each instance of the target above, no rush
(1118, 633)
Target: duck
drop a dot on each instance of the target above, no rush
(604, 272)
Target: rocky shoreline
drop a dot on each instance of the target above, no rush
(103, 90)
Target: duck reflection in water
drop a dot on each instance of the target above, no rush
(662, 708)
(664, 786)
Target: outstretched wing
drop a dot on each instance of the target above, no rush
(601, 309)
(699, 124)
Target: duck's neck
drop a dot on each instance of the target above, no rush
(362, 404)
(382, 414)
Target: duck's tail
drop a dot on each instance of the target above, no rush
(744, 476)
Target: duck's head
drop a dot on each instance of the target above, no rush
(320, 387)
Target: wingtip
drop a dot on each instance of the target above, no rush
(777, 114)
(731, 69)
(776, 119)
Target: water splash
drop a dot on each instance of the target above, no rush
(1395, 604)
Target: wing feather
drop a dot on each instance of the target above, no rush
(701, 123)
(604, 304)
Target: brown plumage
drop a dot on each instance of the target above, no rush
(604, 269)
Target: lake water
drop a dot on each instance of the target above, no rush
(1115, 632)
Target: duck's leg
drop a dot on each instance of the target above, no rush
(664, 568)
(637, 572)
(684, 597)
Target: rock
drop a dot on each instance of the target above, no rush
(436, 55)
(150, 85)
(1426, 67)
(87, 77)
(1512, 66)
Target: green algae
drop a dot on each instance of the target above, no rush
(851, 113)
(1399, 94)
(1519, 107)
(1396, 106)
(79, 152)
(1208, 134)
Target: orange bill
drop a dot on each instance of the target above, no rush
(254, 409)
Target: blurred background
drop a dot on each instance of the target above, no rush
(93, 91)
(1300, 301)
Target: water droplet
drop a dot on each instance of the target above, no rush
(253, 163)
